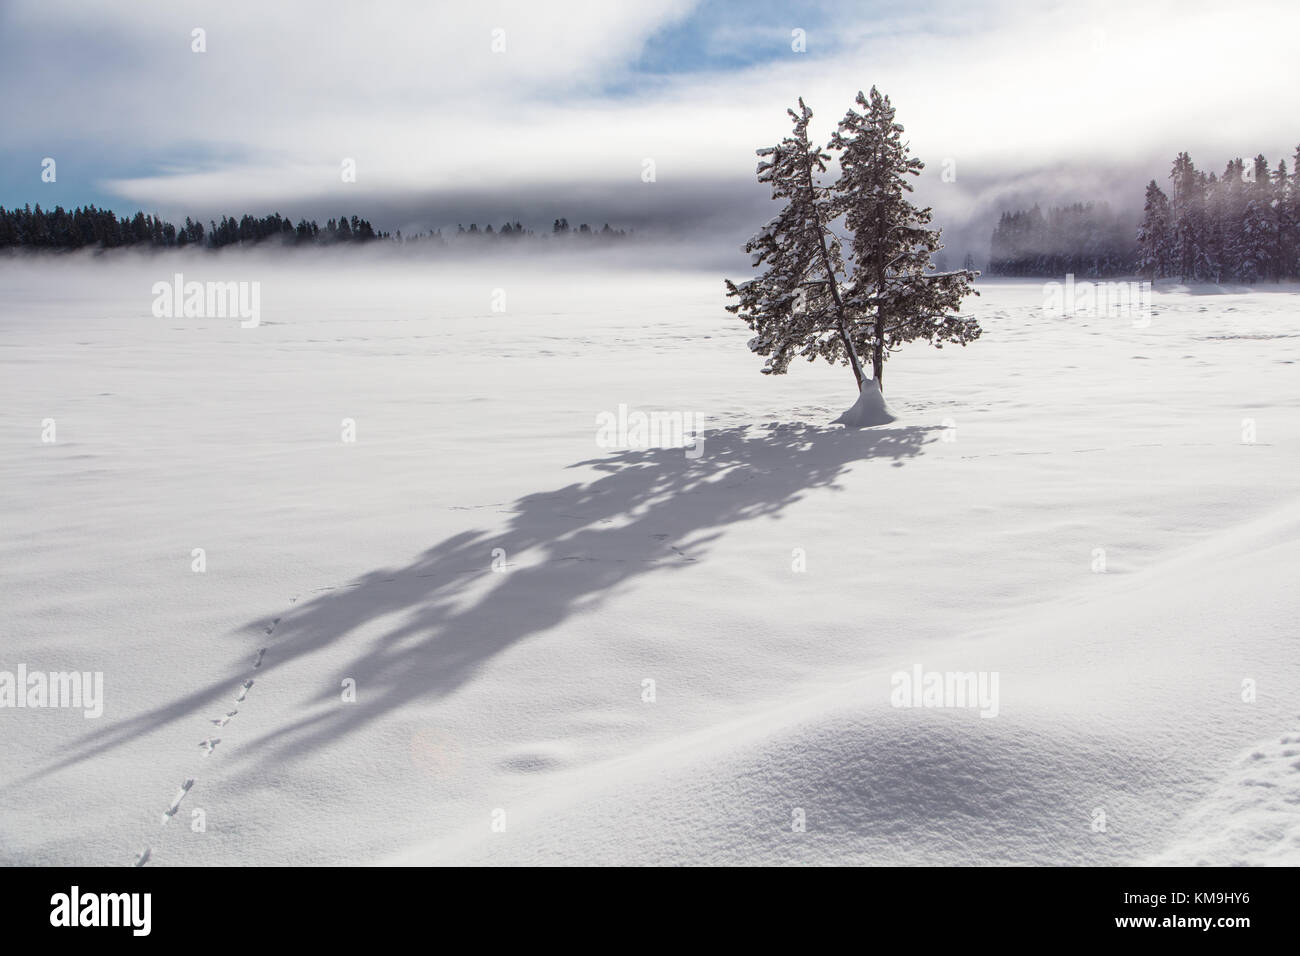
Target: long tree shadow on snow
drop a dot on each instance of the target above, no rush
(651, 511)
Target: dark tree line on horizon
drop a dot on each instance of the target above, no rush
(515, 230)
(91, 227)
(1243, 226)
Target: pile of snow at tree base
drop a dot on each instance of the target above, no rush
(474, 634)
(870, 408)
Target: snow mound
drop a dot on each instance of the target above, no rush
(870, 409)
(1251, 818)
(869, 783)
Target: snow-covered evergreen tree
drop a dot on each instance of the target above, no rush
(1187, 213)
(1293, 216)
(1217, 234)
(1258, 226)
(1153, 237)
(805, 302)
(795, 305)
(1230, 216)
(1284, 204)
(894, 295)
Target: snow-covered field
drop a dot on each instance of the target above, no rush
(503, 712)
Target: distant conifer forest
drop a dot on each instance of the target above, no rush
(91, 227)
(1243, 226)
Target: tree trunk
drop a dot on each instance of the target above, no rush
(854, 363)
(858, 375)
(878, 346)
(878, 360)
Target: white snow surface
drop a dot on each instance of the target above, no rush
(509, 686)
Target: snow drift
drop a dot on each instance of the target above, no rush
(869, 410)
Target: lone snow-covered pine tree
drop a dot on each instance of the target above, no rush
(895, 296)
(806, 302)
(796, 306)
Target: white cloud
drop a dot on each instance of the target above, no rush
(415, 95)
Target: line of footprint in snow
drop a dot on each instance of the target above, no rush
(209, 745)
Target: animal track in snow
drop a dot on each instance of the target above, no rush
(176, 801)
(210, 744)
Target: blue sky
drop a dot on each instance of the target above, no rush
(717, 37)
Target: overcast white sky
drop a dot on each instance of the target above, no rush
(1056, 100)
